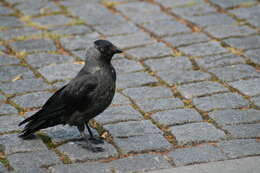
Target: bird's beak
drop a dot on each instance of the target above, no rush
(117, 50)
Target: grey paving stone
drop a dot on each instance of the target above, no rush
(132, 128)
(219, 60)
(8, 60)
(173, 77)
(32, 100)
(198, 89)
(247, 87)
(140, 163)
(150, 51)
(178, 3)
(60, 71)
(119, 99)
(44, 59)
(30, 160)
(125, 65)
(223, 31)
(232, 117)
(249, 42)
(7, 109)
(51, 20)
(19, 32)
(221, 101)
(14, 144)
(199, 49)
(137, 79)
(131, 40)
(244, 130)
(253, 55)
(33, 45)
(10, 122)
(240, 147)
(2, 98)
(196, 133)
(2, 48)
(148, 17)
(79, 41)
(178, 116)
(71, 30)
(118, 113)
(212, 19)
(26, 85)
(135, 144)
(5, 11)
(10, 21)
(169, 63)
(77, 152)
(8, 73)
(142, 93)
(256, 101)
(136, 7)
(159, 104)
(166, 27)
(235, 72)
(195, 9)
(2, 168)
(202, 153)
(186, 39)
(231, 3)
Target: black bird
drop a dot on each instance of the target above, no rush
(83, 98)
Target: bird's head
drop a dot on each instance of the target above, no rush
(106, 48)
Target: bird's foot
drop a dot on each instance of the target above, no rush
(96, 140)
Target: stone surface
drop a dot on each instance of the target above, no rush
(8, 73)
(256, 100)
(244, 130)
(2, 168)
(196, 133)
(8, 60)
(175, 117)
(33, 45)
(71, 30)
(125, 65)
(7, 109)
(247, 87)
(51, 20)
(9, 21)
(253, 55)
(120, 99)
(249, 42)
(10, 122)
(19, 33)
(231, 3)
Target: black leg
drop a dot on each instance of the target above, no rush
(93, 139)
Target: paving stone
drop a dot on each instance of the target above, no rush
(119, 99)
(166, 27)
(230, 3)
(76, 151)
(33, 45)
(32, 100)
(26, 85)
(193, 10)
(9, 21)
(137, 7)
(256, 101)
(212, 19)
(8, 60)
(235, 72)
(223, 31)
(244, 130)
(51, 20)
(131, 40)
(116, 29)
(253, 55)
(232, 116)
(178, 116)
(118, 113)
(125, 65)
(2, 98)
(148, 17)
(14, 144)
(202, 153)
(151, 142)
(60, 71)
(2, 48)
(219, 60)
(199, 49)
(169, 63)
(159, 104)
(196, 133)
(132, 128)
(186, 39)
(249, 42)
(174, 77)
(74, 29)
(137, 79)
(140, 163)
(8, 73)
(247, 87)
(19, 32)
(9, 123)
(5, 11)
(178, 3)
(44, 59)
(198, 89)
(221, 101)
(2, 168)
(79, 41)
(240, 147)
(29, 160)
(142, 93)
(7, 109)
(149, 51)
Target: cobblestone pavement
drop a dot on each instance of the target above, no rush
(188, 83)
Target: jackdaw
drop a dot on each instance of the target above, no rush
(83, 98)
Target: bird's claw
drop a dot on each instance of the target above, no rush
(96, 140)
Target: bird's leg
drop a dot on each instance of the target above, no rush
(93, 139)
(89, 145)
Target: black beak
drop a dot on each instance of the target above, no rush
(117, 51)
